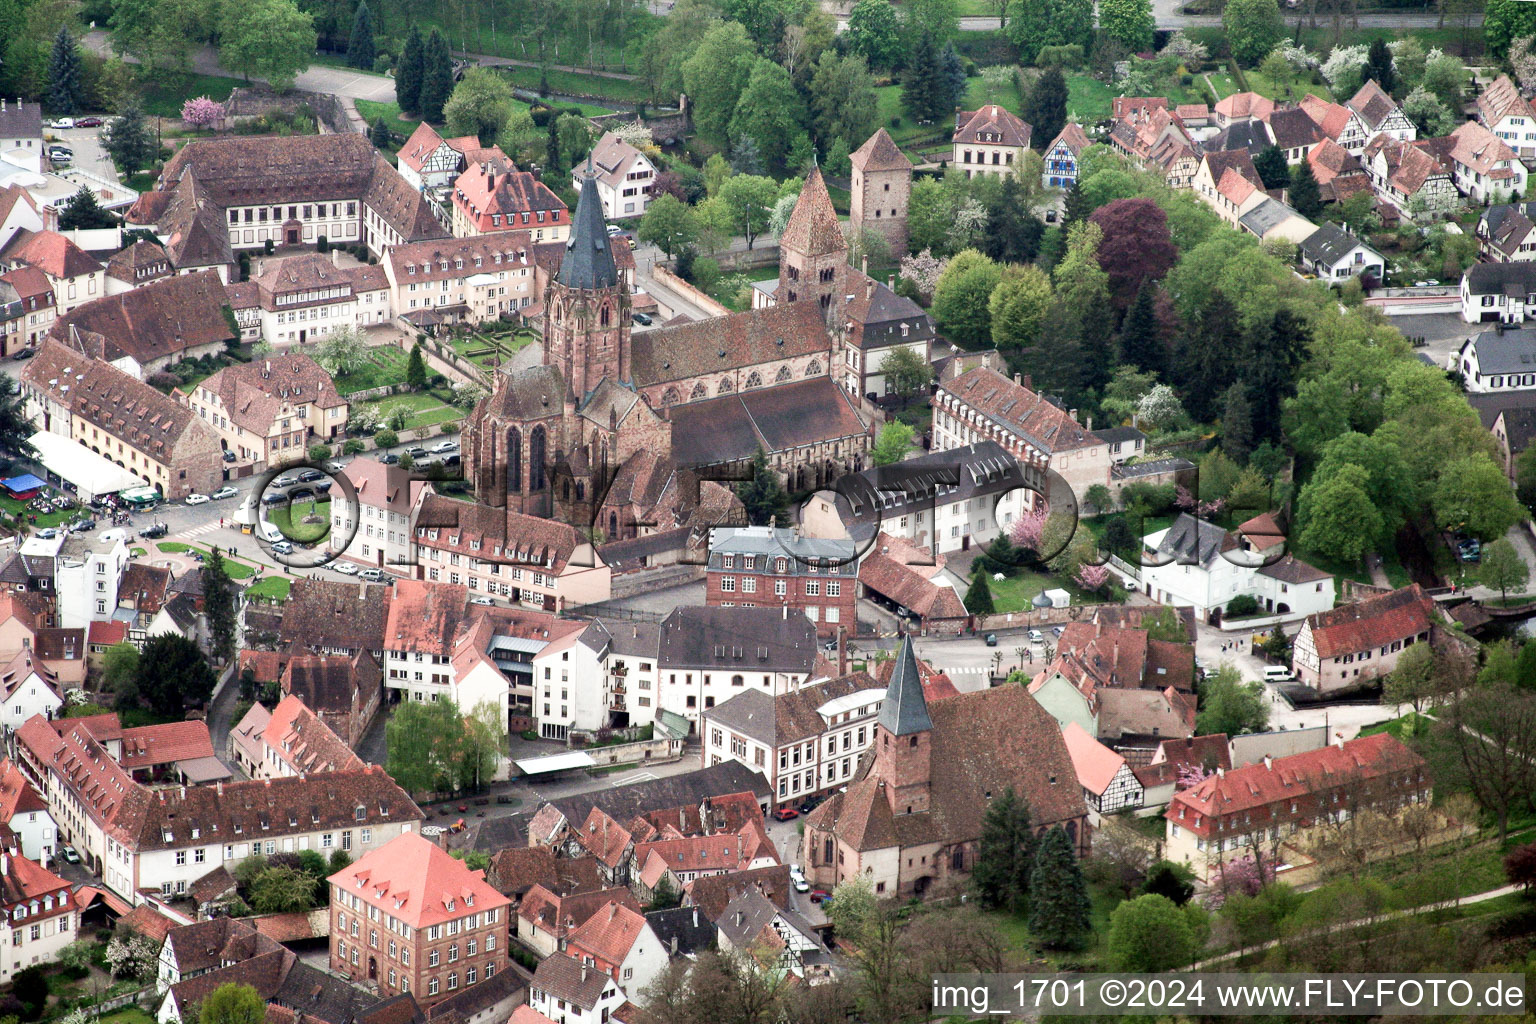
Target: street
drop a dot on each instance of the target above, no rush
(89, 153)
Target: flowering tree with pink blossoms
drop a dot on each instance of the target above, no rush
(1190, 776)
(1028, 530)
(1092, 578)
(923, 270)
(202, 112)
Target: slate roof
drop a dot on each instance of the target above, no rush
(777, 419)
(880, 153)
(1507, 351)
(1517, 279)
(879, 316)
(788, 717)
(157, 320)
(1519, 428)
(588, 261)
(734, 341)
(1293, 129)
(692, 931)
(1268, 215)
(1329, 244)
(737, 639)
(1242, 136)
(1195, 539)
(1374, 622)
(904, 710)
(19, 120)
(813, 226)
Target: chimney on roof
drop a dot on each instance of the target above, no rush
(1269, 763)
(220, 787)
(674, 945)
(583, 972)
(613, 908)
(864, 264)
(336, 257)
(1338, 740)
(695, 917)
(1221, 772)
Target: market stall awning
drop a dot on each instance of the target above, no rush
(554, 763)
(23, 484)
(93, 474)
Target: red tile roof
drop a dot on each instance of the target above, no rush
(607, 935)
(1096, 764)
(603, 837)
(1374, 622)
(1265, 792)
(50, 252)
(165, 744)
(416, 881)
(148, 922)
(16, 794)
(992, 125)
(423, 615)
(108, 633)
(298, 736)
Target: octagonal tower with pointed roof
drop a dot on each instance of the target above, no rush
(813, 255)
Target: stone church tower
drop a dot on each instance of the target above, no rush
(813, 255)
(882, 184)
(586, 307)
(904, 737)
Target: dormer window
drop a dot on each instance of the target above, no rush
(450, 904)
(360, 813)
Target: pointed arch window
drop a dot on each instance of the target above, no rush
(699, 391)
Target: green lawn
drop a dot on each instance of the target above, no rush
(386, 365)
(289, 519)
(173, 547)
(235, 570)
(19, 508)
(132, 1015)
(505, 345)
(1088, 99)
(1015, 593)
(1225, 86)
(426, 409)
(164, 99)
(1404, 728)
(390, 112)
(272, 588)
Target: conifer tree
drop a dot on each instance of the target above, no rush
(219, 606)
(408, 73)
(65, 90)
(919, 86)
(378, 133)
(436, 77)
(1306, 198)
(1141, 343)
(1237, 422)
(1059, 907)
(1045, 108)
(416, 369)
(764, 495)
(360, 48)
(1077, 205)
(978, 599)
(1005, 858)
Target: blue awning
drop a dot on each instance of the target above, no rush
(25, 482)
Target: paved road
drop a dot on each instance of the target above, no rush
(89, 154)
(319, 78)
(1168, 17)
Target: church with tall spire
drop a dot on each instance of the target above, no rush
(614, 430)
(911, 818)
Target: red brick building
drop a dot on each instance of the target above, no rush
(412, 919)
(772, 567)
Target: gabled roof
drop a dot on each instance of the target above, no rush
(157, 320)
(1372, 104)
(567, 979)
(609, 934)
(1241, 105)
(16, 794)
(1293, 128)
(742, 639)
(52, 253)
(991, 125)
(295, 735)
(1020, 411)
(1329, 244)
(712, 893)
(1072, 137)
(1482, 151)
(1503, 98)
(1096, 764)
(727, 343)
(612, 158)
(1373, 622)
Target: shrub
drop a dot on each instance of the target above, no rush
(322, 244)
(382, 63)
(163, 381)
(1242, 604)
(386, 438)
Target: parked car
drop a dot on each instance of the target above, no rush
(70, 854)
(416, 451)
(229, 456)
(309, 476)
(786, 814)
(48, 533)
(282, 547)
(1036, 637)
(372, 575)
(481, 600)
(643, 319)
(286, 480)
(91, 121)
(1470, 550)
(24, 353)
(335, 466)
(62, 123)
(273, 499)
(154, 531)
(991, 639)
(197, 499)
(452, 459)
(389, 458)
(445, 446)
(59, 155)
(820, 896)
(345, 568)
(223, 492)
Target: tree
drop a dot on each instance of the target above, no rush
(282, 890)
(1135, 247)
(770, 112)
(961, 297)
(978, 598)
(436, 77)
(1502, 568)
(81, 210)
(1378, 65)
(1338, 519)
(119, 665)
(1306, 199)
(1412, 679)
(1237, 421)
(66, 91)
(1141, 342)
(1253, 29)
(1059, 908)
(1045, 108)
(172, 674)
(1017, 307)
(408, 72)
(1474, 496)
(763, 495)
(1492, 729)
(892, 445)
(921, 95)
(1230, 705)
(270, 38)
(1172, 880)
(219, 606)
(1272, 168)
(202, 112)
(232, 1004)
(360, 48)
(715, 76)
(749, 200)
(844, 105)
(1081, 287)
(1151, 934)
(131, 144)
(1520, 866)
(668, 224)
(1428, 113)
(1013, 232)
(906, 372)
(429, 737)
(480, 105)
(1128, 22)
(379, 133)
(416, 369)
(1005, 858)
(874, 31)
(159, 33)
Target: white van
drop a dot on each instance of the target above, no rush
(269, 531)
(1278, 674)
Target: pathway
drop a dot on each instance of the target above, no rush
(488, 60)
(1459, 901)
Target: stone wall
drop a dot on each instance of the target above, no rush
(248, 101)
